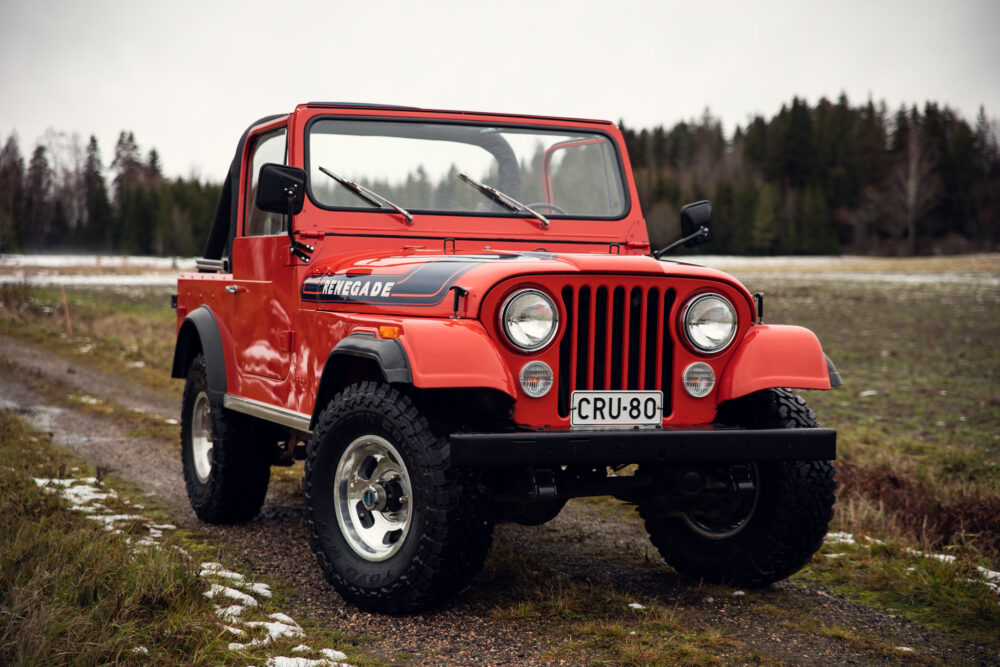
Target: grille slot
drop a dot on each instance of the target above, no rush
(617, 337)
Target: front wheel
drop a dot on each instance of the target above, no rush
(396, 528)
(756, 538)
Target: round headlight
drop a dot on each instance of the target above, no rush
(530, 319)
(710, 322)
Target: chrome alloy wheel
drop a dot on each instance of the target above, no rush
(372, 497)
(201, 437)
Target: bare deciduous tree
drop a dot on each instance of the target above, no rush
(915, 184)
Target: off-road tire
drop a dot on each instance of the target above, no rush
(787, 525)
(449, 531)
(237, 481)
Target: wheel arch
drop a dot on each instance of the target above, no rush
(360, 357)
(199, 334)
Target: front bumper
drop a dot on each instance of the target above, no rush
(613, 447)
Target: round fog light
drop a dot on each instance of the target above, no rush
(699, 379)
(536, 378)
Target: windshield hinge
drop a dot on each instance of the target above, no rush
(459, 293)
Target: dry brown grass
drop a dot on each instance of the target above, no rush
(908, 504)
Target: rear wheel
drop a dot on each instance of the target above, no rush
(226, 469)
(753, 538)
(396, 528)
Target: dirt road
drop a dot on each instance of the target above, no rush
(580, 545)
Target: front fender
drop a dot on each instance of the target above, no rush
(454, 353)
(771, 356)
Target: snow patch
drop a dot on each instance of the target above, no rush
(839, 538)
(109, 520)
(216, 570)
(215, 590)
(260, 589)
(89, 400)
(88, 495)
(330, 654)
(281, 627)
(230, 613)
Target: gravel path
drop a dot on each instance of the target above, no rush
(580, 544)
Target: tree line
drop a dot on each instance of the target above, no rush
(62, 199)
(820, 179)
(827, 179)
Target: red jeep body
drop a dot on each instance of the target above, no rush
(418, 308)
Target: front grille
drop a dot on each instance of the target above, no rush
(616, 338)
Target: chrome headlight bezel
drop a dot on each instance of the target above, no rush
(698, 343)
(518, 341)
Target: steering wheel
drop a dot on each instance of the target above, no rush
(552, 207)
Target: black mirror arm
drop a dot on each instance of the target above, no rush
(702, 231)
(300, 250)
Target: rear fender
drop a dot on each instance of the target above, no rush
(200, 333)
(772, 356)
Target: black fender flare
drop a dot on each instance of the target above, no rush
(835, 380)
(200, 330)
(387, 354)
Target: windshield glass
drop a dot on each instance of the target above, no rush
(558, 173)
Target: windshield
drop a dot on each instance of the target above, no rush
(557, 173)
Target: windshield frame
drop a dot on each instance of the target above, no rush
(510, 215)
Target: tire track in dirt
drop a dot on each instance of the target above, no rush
(578, 545)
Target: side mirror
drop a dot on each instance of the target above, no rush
(694, 217)
(281, 189)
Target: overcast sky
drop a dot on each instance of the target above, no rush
(188, 77)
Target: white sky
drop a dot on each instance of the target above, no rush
(188, 77)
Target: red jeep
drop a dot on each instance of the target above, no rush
(455, 319)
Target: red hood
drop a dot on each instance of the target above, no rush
(419, 283)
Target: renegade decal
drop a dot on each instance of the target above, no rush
(424, 284)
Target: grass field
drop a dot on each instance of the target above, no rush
(918, 422)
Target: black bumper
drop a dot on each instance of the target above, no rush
(612, 447)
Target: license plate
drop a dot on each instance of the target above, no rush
(616, 408)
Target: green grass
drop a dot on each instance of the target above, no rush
(945, 596)
(71, 592)
(129, 333)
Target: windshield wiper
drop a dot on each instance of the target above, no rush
(503, 199)
(372, 198)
